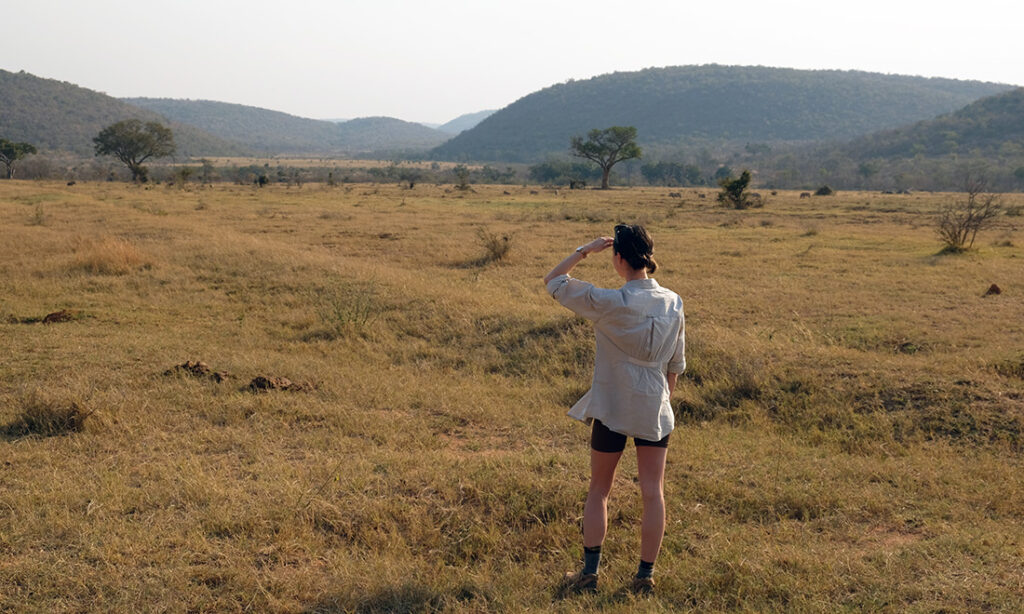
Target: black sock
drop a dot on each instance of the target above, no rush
(646, 570)
(591, 559)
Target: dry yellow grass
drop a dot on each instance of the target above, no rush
(107, 256)
(850, 427)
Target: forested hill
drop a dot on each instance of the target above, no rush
(378, 134)
(678, 105)
(58, 116)
(273, 132)
(991, 126)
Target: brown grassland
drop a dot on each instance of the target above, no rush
(849, 429)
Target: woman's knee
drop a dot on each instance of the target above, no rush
(652, 491)
(600, 489)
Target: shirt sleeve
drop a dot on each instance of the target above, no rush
(582, 298)
(678, 362)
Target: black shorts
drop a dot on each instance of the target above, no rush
(604, 439)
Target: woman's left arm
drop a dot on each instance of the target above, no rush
(671, 377)
(566, 266)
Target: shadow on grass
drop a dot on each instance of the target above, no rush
(45, 415)
(409, 596)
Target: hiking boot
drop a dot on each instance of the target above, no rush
(579, 582)
(642, 586)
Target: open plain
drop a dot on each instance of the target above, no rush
(849, 429)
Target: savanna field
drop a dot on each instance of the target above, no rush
(849, 428)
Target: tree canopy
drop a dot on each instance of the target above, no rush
(133, 142)
(606, 148)
(11, 152)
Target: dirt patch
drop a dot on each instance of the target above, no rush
(197, 368)
(263, 383)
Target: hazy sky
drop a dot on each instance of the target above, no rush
(432, 60)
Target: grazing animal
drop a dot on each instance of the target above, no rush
(805, 194)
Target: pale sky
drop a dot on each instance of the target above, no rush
(432, 60)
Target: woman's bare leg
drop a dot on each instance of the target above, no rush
(650, 462)
(595, 512)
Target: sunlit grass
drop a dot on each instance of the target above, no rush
(849, 427)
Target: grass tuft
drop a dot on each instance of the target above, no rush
(47, 416)
(108, 256)
(1011, 368)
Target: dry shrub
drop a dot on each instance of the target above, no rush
(46, 415)
(496, 246)
(108, 256)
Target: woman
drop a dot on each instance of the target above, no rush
(639, 329)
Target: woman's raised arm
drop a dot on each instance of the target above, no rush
(570, 262)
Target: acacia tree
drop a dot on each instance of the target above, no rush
(606, 147)
(11, 152)
(133, 142)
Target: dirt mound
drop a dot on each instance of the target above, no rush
(64, 315)
(197, 368)
(262, 384)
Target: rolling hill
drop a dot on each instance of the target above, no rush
(59, 116)
(370, 134)
(985, 127)
(465, 121)
(274, 132)
(677, 105)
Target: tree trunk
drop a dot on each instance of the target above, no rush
(604, 177)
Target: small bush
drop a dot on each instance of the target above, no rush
(47, 416)
(824, 191)
(461, 173)
(108, 256)
(345, 307)
(734, 192)
(960, 222)
(496, 247)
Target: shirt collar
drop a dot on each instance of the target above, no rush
(650, 282)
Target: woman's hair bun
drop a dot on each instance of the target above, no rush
(636, 247)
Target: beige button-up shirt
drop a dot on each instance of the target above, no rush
(640, 337)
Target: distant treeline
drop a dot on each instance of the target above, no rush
(67, 168)
(793, 169)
